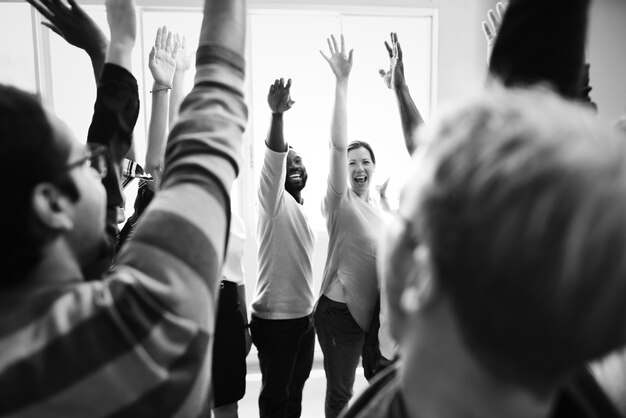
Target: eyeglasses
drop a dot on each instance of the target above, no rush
(95, 157)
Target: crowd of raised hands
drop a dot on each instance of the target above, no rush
(126, 325)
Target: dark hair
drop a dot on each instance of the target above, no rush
(362, 144)
(525, 217)
(30, 155)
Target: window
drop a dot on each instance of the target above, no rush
(283, 41)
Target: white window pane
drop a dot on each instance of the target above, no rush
(372, 109)
(17, 53)
(287, 45)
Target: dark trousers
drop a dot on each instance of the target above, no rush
(285, 348)
(341, 340)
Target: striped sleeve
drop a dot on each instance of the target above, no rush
(180, 241)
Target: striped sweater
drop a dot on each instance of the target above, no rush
(138, 344)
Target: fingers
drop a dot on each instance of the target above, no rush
(382, 72)
(398, 49)
(493, 19)
(350, 56)
(41, 9)
(157, 39)
(152, 53)
(325, 57)
(343, 45)
(175, 50)
(335, 47)
(330, 46)
(389, 50)
(53, 28)
(487, 31)
(288, 86)
(500, 9)
(169, 43)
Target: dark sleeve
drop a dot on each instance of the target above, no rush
(114, 118)
(542, 42)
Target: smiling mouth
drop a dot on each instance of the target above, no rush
(295, 176)
(360, 179)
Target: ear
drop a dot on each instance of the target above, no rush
(420, 292)
(53, 208)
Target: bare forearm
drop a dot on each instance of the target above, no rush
(339, 139)
(97, 55)
(157, 132)
(121, 55)
(410, 117)
(275, 136)
(339, 123)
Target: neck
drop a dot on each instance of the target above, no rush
(364, 194)
(296, 195)
(440, 378)
(58, 265)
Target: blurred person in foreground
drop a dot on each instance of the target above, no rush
(138, 343)
(503, 270)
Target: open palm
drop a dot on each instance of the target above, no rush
(162, 58)
(339, 62)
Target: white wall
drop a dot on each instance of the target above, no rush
(607, 55)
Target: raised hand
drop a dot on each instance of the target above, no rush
(183, 57)
(491, 29)
(76, 27)
(394, 77)
(162, 59)
(279, 97)
(339, 62)
(71, 23)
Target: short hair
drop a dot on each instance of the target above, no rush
(362, 144)
(30, 155)
(524, 214)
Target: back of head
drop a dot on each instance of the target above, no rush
(524, 213)
(30, 154)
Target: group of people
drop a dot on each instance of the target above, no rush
(496, 288)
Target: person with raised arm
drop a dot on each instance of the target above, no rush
(380, 348)
(349, 290)
(162, 64)
(138, 343)
(282, 321)
(115, 111)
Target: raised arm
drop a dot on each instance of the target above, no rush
(162, 64)
(410, 116)
(115, 114)
(341, 65)
(183, 63)
(279, 100)
(180, 243)
(76, 27)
